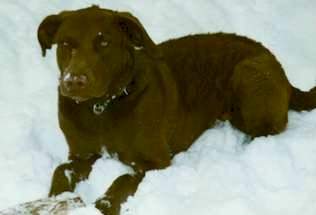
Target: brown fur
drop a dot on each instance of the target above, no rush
(174, 91)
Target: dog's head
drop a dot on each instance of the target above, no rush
(96, 50)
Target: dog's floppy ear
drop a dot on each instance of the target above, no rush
(48, 28)
(135, 33)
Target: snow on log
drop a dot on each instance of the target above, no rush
(59, 205)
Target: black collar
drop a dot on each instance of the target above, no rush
(103, 103)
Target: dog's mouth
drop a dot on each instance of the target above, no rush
(79, 99)
(106, 98)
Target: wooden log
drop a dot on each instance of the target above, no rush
(59, 205)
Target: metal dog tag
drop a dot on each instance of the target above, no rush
(99, 108)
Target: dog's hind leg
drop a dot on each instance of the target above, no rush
(261, 94)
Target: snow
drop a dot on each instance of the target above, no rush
(63, 203)
(86, 210)
(222, 173)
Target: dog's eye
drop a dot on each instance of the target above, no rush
(101, 42)
(66, 44)
(104, 43)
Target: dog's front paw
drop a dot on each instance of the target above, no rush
(62, 180)
(107, 207)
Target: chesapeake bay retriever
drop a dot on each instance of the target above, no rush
(144, 102)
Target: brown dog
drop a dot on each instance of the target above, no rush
(146, 102)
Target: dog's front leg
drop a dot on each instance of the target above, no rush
(122, 187)
(126, 185)
(67, 175)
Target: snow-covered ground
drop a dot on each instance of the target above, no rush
(218, 175)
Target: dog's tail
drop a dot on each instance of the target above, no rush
(301, 100)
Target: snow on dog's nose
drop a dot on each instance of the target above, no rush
(73, 82)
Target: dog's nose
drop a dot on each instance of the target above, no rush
(74, 82)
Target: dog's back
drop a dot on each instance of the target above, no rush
(204, 63)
